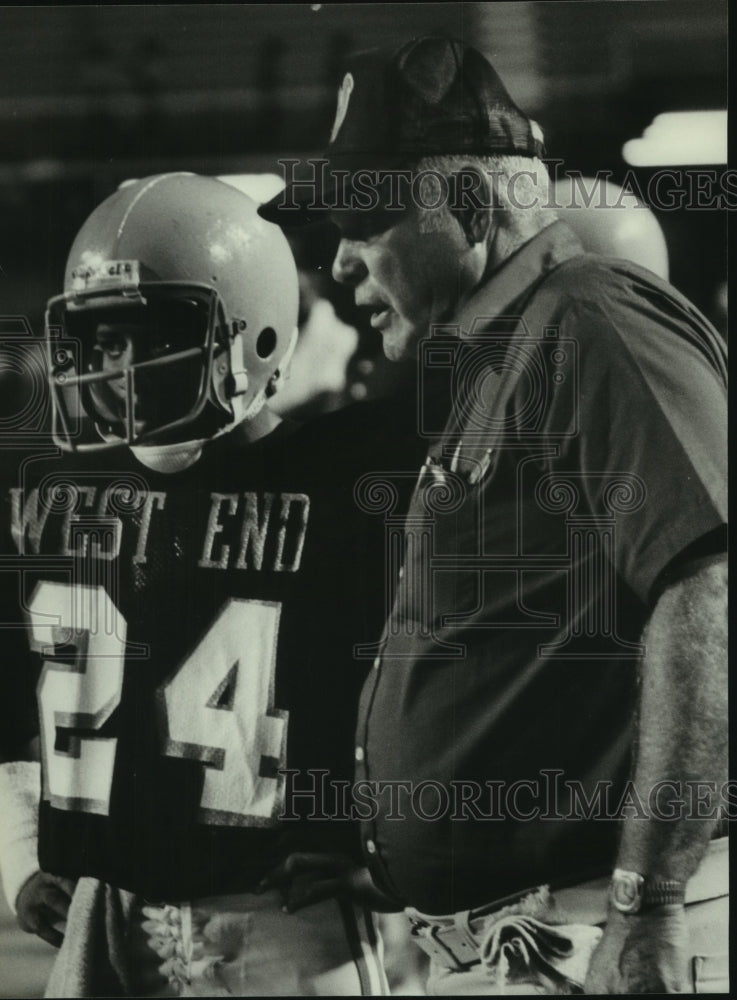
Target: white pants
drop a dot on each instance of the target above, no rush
(245, 945)
(708, 967)
(577, 913)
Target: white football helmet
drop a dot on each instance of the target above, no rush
(179, 305)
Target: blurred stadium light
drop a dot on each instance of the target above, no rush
(680, 138)
(260, 187)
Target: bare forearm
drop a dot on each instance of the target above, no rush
(682, 726)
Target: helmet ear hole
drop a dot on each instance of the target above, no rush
(266, 342)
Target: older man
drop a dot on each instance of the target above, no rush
(543, 735)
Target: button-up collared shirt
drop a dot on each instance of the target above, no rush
(582, 450)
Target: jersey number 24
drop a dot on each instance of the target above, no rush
(216, 705)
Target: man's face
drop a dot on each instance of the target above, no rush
(407, 278)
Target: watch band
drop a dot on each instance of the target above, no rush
(660, 891)
(631, 892)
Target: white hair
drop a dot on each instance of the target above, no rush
(515, 189)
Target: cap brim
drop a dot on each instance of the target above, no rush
(306, 200)
(329, 188)
(293, 208)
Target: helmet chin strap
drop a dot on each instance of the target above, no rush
(240, 381)
(286, 361)
(241, 412)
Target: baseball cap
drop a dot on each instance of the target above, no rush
(432, 96)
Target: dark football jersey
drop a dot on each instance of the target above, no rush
(192, 636)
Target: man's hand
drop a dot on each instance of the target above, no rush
(305, 878)
(42, 906)
(641, 953)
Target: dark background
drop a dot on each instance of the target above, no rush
(92, 95)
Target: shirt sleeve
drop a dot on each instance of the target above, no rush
(650, 418)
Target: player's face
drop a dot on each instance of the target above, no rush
(114, 351)
(114, 344)
(147, 364)
(406, 276)
(117, 347)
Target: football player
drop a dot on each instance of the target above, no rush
(194, 573)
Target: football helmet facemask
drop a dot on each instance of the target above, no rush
(179, 306)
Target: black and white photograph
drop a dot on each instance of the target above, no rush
(363, 499)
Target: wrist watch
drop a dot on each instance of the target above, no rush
(631, 892)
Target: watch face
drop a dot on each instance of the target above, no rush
(626, 891)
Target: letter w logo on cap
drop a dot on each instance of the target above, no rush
(344, 95)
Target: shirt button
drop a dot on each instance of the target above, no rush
(377, 663)
(371, 847)
(359, 754)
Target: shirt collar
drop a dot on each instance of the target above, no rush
(544, 252)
